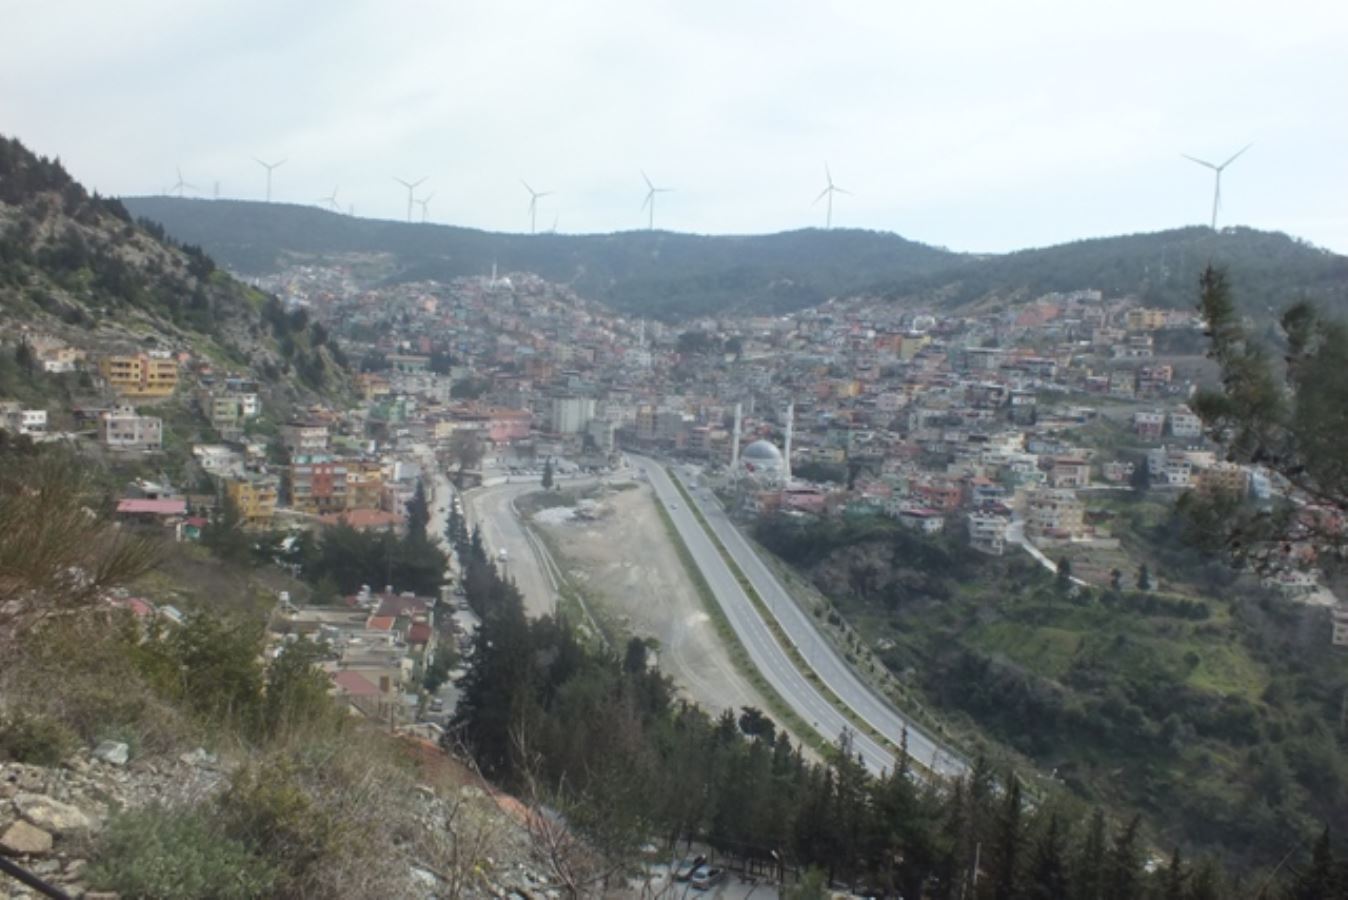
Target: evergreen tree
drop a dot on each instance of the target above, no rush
(1143, 578)
(1123, 867)
(547, 474)
(1063, 578)
(1173, 881)
(1047, 877)
(418, 513)
(1005, 852)
(1318, 880)
(1088, 875)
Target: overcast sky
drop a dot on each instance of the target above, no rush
(977, 126)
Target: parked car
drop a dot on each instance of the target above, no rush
(685, 868)
(706, 877)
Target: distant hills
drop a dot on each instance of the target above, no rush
(678, 276)
(77, 266)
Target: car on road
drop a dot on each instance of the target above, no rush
(685, 869)
(706, 877)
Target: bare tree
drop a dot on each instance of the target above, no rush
(465, 450)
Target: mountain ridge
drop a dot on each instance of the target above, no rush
(677, 276)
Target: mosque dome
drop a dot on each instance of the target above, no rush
(762, 453)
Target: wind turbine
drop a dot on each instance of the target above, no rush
(411, 186)
(269, 167)
(533, 205)
(1217, 191)
(424, 202)
(180, 185)
(829, 192)
(651, 191)
(331, 200)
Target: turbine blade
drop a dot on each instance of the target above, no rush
(647, 180)
(1201, 162)
(828, 175)
(1233, 158)
(823, 193)
(838, 190)
(649, 195)
(527, 188)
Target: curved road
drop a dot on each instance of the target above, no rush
(820, 655)
(493, 510)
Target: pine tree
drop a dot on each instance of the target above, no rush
(418, 513)
(547, 474)
(1172, 887)
(1006, 848)
(1047, 877)
(1143, 578)
(1088, 875)
(1319, 878)
(1123, 868)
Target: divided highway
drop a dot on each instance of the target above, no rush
(764, 651)
(769, 656)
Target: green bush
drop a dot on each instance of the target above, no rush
(162, 853)
(35, 739)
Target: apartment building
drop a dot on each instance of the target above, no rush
(254, 498)
(1054, 513)
(143, 375)
(318, 486)
(125, 429)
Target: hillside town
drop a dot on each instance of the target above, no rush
(1008, 429)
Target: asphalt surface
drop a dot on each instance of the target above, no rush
(493, 510)
(832, 670)
(764, 651)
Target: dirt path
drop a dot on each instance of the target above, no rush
(624, 560)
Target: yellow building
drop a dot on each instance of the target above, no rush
(141, 375)
(1142, 319)
(364, 485)
(255, 499)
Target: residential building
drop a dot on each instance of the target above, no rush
(987, 531)
(927, 521)
(1143, 319)
(125, 429)
(1340, 619)
(318, 486)
(570, 415)
(1184, 424)
(1148, 424)
(14, 417)
(254, 498)
(1054, 513)
(143, 375)
(1070, 472)
(1224, 478)
(305, 438)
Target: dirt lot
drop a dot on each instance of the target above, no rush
(625, 562)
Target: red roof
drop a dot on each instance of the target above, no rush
(176, 507)
(398, 605)
(419, 633)
(356, 684)
(380, 623)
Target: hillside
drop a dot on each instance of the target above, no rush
(1207, 704)
(659, 273)
(75, 267)
(1269, 269)
(676, 276)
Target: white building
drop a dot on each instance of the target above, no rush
(24, 421)
(570, 415)
(1184, 424)
(987, 532)
(124, 429)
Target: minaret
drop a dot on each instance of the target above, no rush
(786, 452)
(641, 334)
(735, 441)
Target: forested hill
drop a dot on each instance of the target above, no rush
(1268, 270)
(676, 276)
(659, 273)
(76, 266)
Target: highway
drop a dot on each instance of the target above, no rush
(764, 651)
(832, 670)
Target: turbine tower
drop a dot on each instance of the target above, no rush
(829, 192)
(1217, 189)
(411, 186)
(331, 201)
(533, 205)
(423, 203)
(180, 185)
(651, 191)
(269, 167)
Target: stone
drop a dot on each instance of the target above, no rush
(24, 839)
(199, 758)
(114, 753)
(59, 818)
